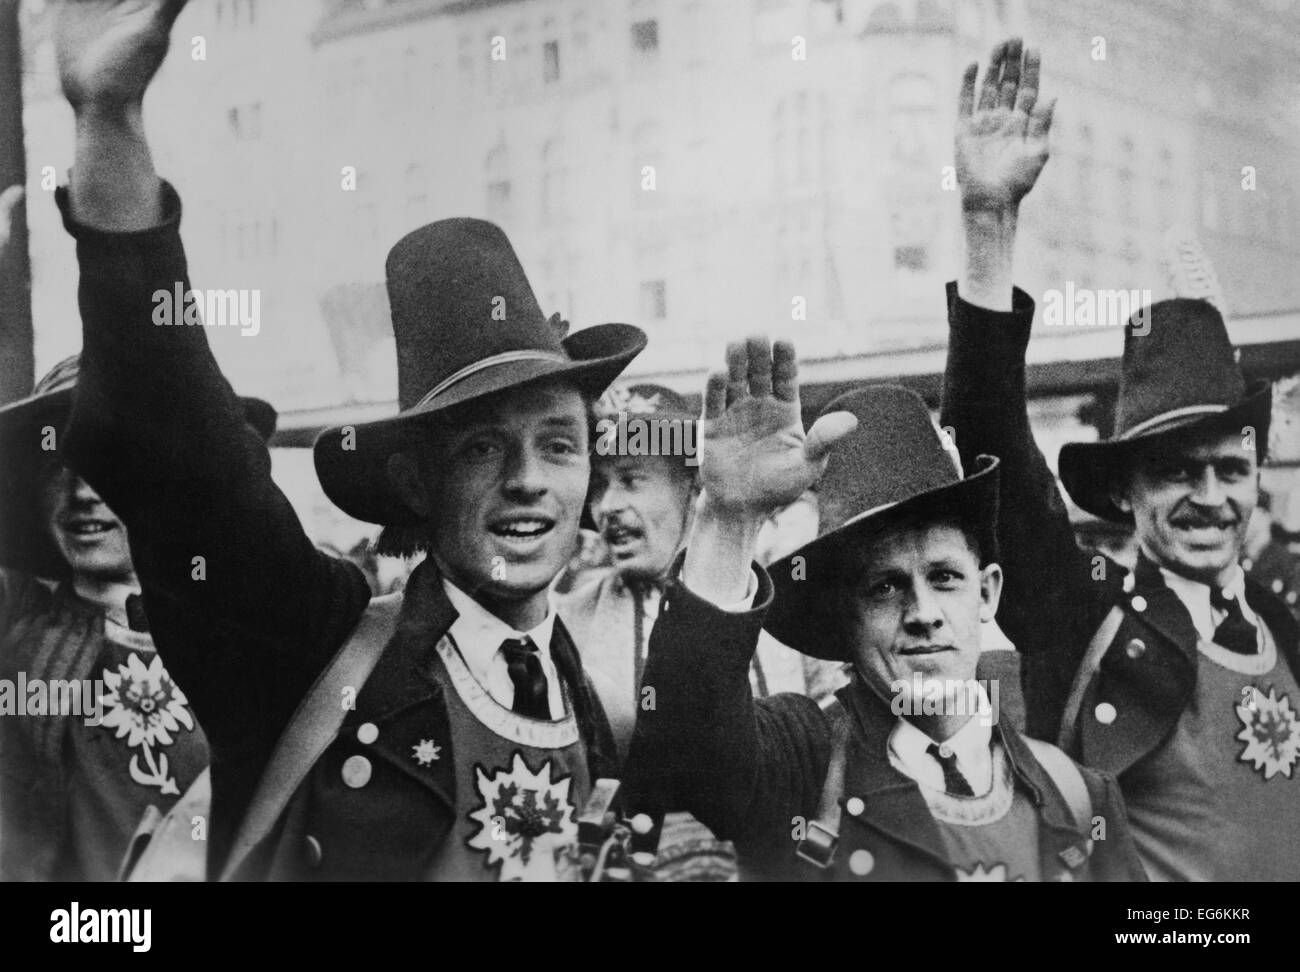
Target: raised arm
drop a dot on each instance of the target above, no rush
(744, 768)
(226, 568)
(1050, 602)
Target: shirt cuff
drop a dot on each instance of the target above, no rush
(746, 603)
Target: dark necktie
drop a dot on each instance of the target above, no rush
(1235, 633)
(531, 695)
(953, 781)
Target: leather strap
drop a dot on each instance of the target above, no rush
(313, 727)
(823, 834)
(1065, 774)
(1087, 668)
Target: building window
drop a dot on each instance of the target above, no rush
(551, 61)
(653, 303)
(645, 37)
(912, 258)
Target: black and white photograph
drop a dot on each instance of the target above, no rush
(650, 441)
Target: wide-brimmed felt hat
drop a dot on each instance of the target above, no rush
(466, 325)
(892, 467)
(1179, 376)
(25, 541)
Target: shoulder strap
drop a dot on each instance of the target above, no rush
(1065, 774)
(163, 848)
(313, 726)
(1087, 668)
(822, 835)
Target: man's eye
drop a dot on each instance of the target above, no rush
(946, 577)
(562, 447)
(883, 589)
(478, 448)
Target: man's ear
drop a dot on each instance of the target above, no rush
(404, 475)
(1119, 492)
(990, 591)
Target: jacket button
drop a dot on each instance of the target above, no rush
(1136, 648)
(1105, 713)
(1139, 603)
(1290, 597)
(1129, 582)
(861, 862)
(311, 853)
(1277, 585)
(854, 806)
(367, 733)
(356, 771)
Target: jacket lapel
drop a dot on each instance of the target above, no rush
(892, 803)
(1062, 849)
(402, 697)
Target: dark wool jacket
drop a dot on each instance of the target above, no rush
(160, 435)
(1055, 595)
(751, 770)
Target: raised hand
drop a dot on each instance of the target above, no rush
(1001, 143)
(109, 50)
(756, 455)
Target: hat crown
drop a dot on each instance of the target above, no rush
(894, 454)
(459, 295)
(1178, 362)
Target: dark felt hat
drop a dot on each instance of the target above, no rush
(466, 325)
(893, 466)
(25, 542)
(1179, 375)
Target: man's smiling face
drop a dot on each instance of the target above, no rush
(918, 604)
(1191, 498)
(91, 538)
(506, 480)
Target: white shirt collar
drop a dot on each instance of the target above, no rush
(972, 745)
(1196, 598)
(478, 634)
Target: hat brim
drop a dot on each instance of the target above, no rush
(1088, 469)
(806, 608)
(353, 470)
(25, 542)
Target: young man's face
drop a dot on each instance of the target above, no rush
(507, 481)
(92, 540)
(640, 506)
(1191, 500)
(918, 605)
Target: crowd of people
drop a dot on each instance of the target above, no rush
(868, 650)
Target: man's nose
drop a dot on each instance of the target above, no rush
(922, 609)
(612, 500)
(1208, 489)
(524, 473)
(80, 491)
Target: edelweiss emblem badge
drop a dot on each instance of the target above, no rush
(523, 819)
(1269, 731)
(425, 752)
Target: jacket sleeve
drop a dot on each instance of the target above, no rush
(1052, 599)
(744, 768)
(244, 609)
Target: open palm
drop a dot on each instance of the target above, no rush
(1001, 144)
(109, 50)
(757, 457)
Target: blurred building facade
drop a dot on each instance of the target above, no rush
(704, 170)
